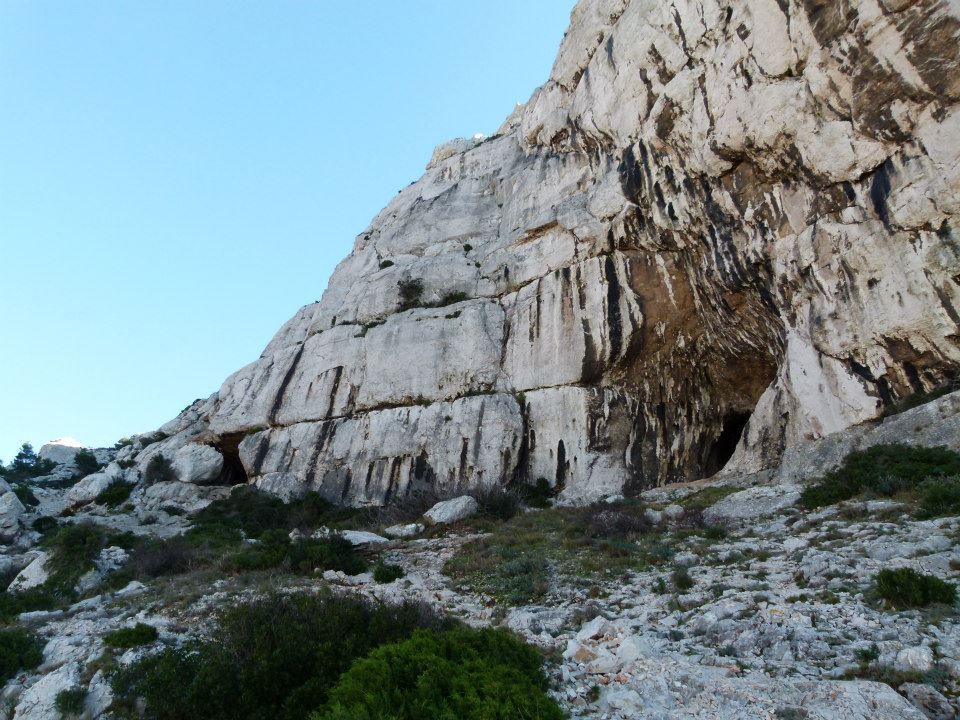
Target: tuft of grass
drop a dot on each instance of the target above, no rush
(906, 588)
(128, 637)
(114, 494)
(19, 650)
(882, 470)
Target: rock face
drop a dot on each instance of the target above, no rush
(721, 228)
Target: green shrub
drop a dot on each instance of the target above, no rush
(452, 299)
(248, 512)
(159, 469)
(537, 495)
(462, 673)
(385, 573)
(14, 603)
(906, 588)
(939, 497)
(128, 637)
(19, 650)
(681, 579)
(274, 549)
(154, 557)
(273, 659)
(71, 703)
(498, 502)
(25, 495)
(411, 291)
(44, 524)
(86, 463)
(921, 398)
(883, 470)
(114, 494)
(72, 552)
(384, 264)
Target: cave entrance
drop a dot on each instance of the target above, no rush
(233, 472)
(726, 443)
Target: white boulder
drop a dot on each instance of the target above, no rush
(33, 575)
(450, 511)
(199, 464)
(405, 531)
(86, 491)
(61, 451)
(10, 511)
(919, 659)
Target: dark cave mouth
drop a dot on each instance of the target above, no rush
(233, 472)
(722, 448)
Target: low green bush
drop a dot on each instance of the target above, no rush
(385, 573)
(128, 637)
(45, 524)
(159, 469)
(114, 494)
(539, 494)
(73, 550)
(682, 580)
(71, 702)
(19, 650)
(86, 463)
(498, 502)
(25, 495)
(249, 513)
(906, 588)
(882, 470)
(274, 549)
(155, 557)
(32, 600)
(273, 659)
(939, 497)
(410, 291)
(463, 673)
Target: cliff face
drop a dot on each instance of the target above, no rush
(721, 228)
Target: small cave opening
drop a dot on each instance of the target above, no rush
(233, 472)
(726, 443)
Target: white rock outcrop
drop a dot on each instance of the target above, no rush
(450, 511)
(10, 511)
(719, 230)
(200, 464)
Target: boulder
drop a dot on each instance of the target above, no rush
(33, 575)
(38, 702)
(405, 531)
(198, 464)
(928, 701)
(450, 511)
(752, 503)
(10, 511)
(87, 489)
(183, 496)
(918, 659)
(61, 451)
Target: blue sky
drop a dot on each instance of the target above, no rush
(177, 178)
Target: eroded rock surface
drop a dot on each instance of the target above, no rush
(719, 226)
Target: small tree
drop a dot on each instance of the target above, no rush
(27, 464)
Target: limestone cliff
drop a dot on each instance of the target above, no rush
(722, 227)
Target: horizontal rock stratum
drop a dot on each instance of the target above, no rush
(720, 229)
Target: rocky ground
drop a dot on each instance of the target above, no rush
(757, 609)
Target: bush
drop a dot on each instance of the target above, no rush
(14, 603)
(114, 494)
(384, 264)
(498, 502)
(139, 634)
(273, 659)
(25, 495)
(152, 558)
(19, 650)
(248, 512)
(44, 524)
(463, 673)
(71, 703)
(883, 470)
(537, 495)
(939, 497)
(906, 588)
(86, 463)
(411, 291)
(619, 520)
(384, 573)
(276, 550)
(159, 469)
(73, 550)
(682, 580)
